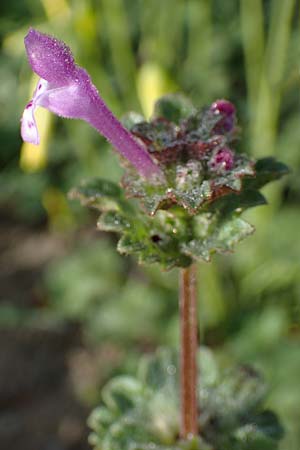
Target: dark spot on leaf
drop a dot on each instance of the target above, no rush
(156, 238)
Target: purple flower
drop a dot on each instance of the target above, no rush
(67, 90)
(226, 110)
(222, 160)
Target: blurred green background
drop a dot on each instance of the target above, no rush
(72, 311)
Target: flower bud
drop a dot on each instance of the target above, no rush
(226, 110)
(222, 160)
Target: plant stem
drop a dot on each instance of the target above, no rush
(188, 352)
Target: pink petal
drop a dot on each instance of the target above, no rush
(50, 58)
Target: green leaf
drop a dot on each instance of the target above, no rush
(113, 221)
(174, 108)
(200, 125)
(100, 418)
(127, 433)
(129, 243)
(143, 412)
(122, 394)
(101, 194)
(267, 170)
(221, 239)
(157, 135)
(189, 185)
(251, 437)
(150, 195)
(171, 237)
(238, 202)
(208, 367)
(230, 233)
(269, 424)
(159, 370)
(132, 118)
(156, 239)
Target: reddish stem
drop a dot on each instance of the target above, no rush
(188, 353)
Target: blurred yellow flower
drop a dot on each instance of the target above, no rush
(152, 83)
(34, 157)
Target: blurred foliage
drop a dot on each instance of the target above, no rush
(247, 51)
(107, 296)
(143, 412)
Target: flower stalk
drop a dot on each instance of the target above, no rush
(188, 352)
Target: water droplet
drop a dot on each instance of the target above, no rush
(190, 436)
(171, 369)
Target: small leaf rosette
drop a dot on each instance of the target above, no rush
(194, 209)
(142, 413)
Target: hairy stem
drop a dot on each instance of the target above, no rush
(188, 352)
